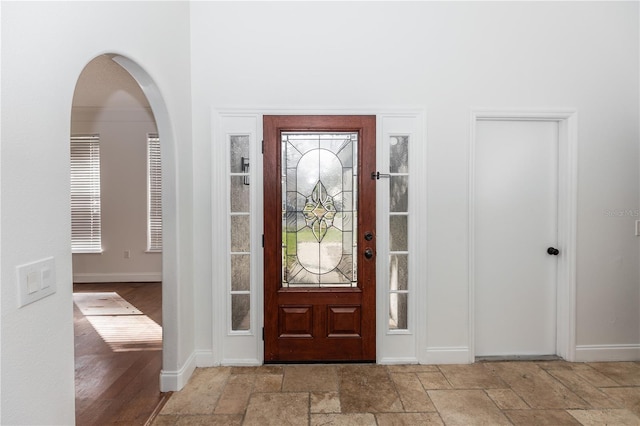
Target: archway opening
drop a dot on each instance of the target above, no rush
(121, 305)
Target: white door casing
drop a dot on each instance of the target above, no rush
(522, 200)
(245, 347)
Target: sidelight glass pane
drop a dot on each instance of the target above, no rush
(239, 148)
(399, 154)
(240, 311)
(398, 233)
(319, 202)
(239, 195)
(240, 233)
(399, 193)
(398, 272)
(240, 272)
(398, 311)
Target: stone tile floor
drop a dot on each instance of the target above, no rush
(485, 393)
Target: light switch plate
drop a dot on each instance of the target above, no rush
(36, 280)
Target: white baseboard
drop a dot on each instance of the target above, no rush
(173, 381)
(248, 362)
(397, 361)
(205, 358)
(595, 353)
(132, 277)
(447, 355)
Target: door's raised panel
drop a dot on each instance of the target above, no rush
(296, 321)
(343, 321)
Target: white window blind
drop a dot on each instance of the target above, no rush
(85, 194)
(154, 191)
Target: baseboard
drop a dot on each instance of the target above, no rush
(132, 277)
(397, 361)
(448, 355)
(239, 362)
(205, 358)
(172, 381)
(595, 353)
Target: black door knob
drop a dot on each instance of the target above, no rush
(553, 251)
(368, 236)
(368, 253)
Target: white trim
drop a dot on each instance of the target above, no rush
(592, 353)
(124, 277)
(176, 379)
(447, 355)
(226, 343)
(567, 219)
(173, 305)
(242, 362)
(406, 345)
(231, 347)
(397, 361)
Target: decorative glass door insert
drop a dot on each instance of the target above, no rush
(319, 209)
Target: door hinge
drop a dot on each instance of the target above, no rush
(262, 240)
(263, 147)
(263, 334)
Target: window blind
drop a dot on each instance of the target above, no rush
(85, 194)
(154, 191)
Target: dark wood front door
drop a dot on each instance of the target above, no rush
(319, 238)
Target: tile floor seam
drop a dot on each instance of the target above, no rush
(568, 387)
(395, 387)
(445, 377)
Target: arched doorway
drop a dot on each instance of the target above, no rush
(166, 268)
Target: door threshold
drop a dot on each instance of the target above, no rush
(503, 358)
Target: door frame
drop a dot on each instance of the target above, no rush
(365, 292)
(246, 347)
(567, 219)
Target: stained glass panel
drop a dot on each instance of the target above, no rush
(319, 209)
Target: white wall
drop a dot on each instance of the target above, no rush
(45, 46)
(123, 174)
(449, 58)
(445, 57)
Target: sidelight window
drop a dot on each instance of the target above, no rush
(240, 230)
(398, 232)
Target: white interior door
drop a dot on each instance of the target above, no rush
(515, 222)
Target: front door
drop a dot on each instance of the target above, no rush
(516, 236)
(319, 238)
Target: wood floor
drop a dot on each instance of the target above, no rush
(117, 383)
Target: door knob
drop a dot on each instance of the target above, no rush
(553, 251)
(368, 253)
(368, 236)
